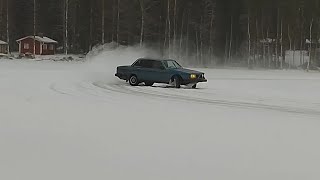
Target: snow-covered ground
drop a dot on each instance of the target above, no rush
(76, 121)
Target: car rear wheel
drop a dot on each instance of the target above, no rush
(133, 80)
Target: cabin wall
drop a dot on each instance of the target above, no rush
(4, 48)
(27, 46)
(48, 49)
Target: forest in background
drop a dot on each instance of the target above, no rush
(251, 32)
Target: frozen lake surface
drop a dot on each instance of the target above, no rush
(76, 121)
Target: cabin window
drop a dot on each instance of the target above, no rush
(45, 47)
(26, 46)
(51, 47)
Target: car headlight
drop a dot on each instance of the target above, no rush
(193, 76)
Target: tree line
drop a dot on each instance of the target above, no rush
(251, 32)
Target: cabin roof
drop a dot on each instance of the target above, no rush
(40, 39)
(3, 43)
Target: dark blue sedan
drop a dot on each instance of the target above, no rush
(150, 71)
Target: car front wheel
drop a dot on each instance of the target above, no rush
(133, 80)
(176, 82)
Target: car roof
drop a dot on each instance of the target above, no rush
(151, 59)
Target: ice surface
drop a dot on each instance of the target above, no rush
(76, 121)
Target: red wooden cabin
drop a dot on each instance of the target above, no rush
(44, 45)
(3, 47)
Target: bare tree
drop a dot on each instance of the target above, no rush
(113, 19)
(310, 46)
(290, 45)
(294, 52)
(269, 51)
(169, 29)
(181, 33)
(302, 39)
(8, 35)
(103, 22)
(66, 27)
(277, 39)
(264, 42)
(211, 30)
(281, 44)
(197, 44)
(142, 9)
(188, 34)
(249, 42)
(1, 11)
(226, 48)
(201, 40)
(34, 27)
(91, 25)
(118, 22)
(175, 25)
(316, 42)
(231, 38)
(256, 44)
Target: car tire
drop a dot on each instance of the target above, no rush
(194, 86)
(133, 80)
(148, 83)
(176, 82)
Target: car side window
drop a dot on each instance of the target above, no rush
(149, 64)
(171, 64)
(165, 63)
(137, 64)
(146, 63)
(143, 63)
(157, 65)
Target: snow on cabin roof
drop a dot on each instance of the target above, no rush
(41, 39)
(3, 43)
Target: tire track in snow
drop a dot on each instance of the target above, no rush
(54, 88)
(145, 91)
(83, 90)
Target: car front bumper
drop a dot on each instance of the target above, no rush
(194, 81)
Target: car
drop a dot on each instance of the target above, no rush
(168, 71)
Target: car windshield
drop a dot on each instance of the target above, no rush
(171, 64)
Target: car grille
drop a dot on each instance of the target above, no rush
(200, 76)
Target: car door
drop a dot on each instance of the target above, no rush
(137, 68)
(145, 70)
(159, 72)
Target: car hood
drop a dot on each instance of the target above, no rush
(189, 71)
